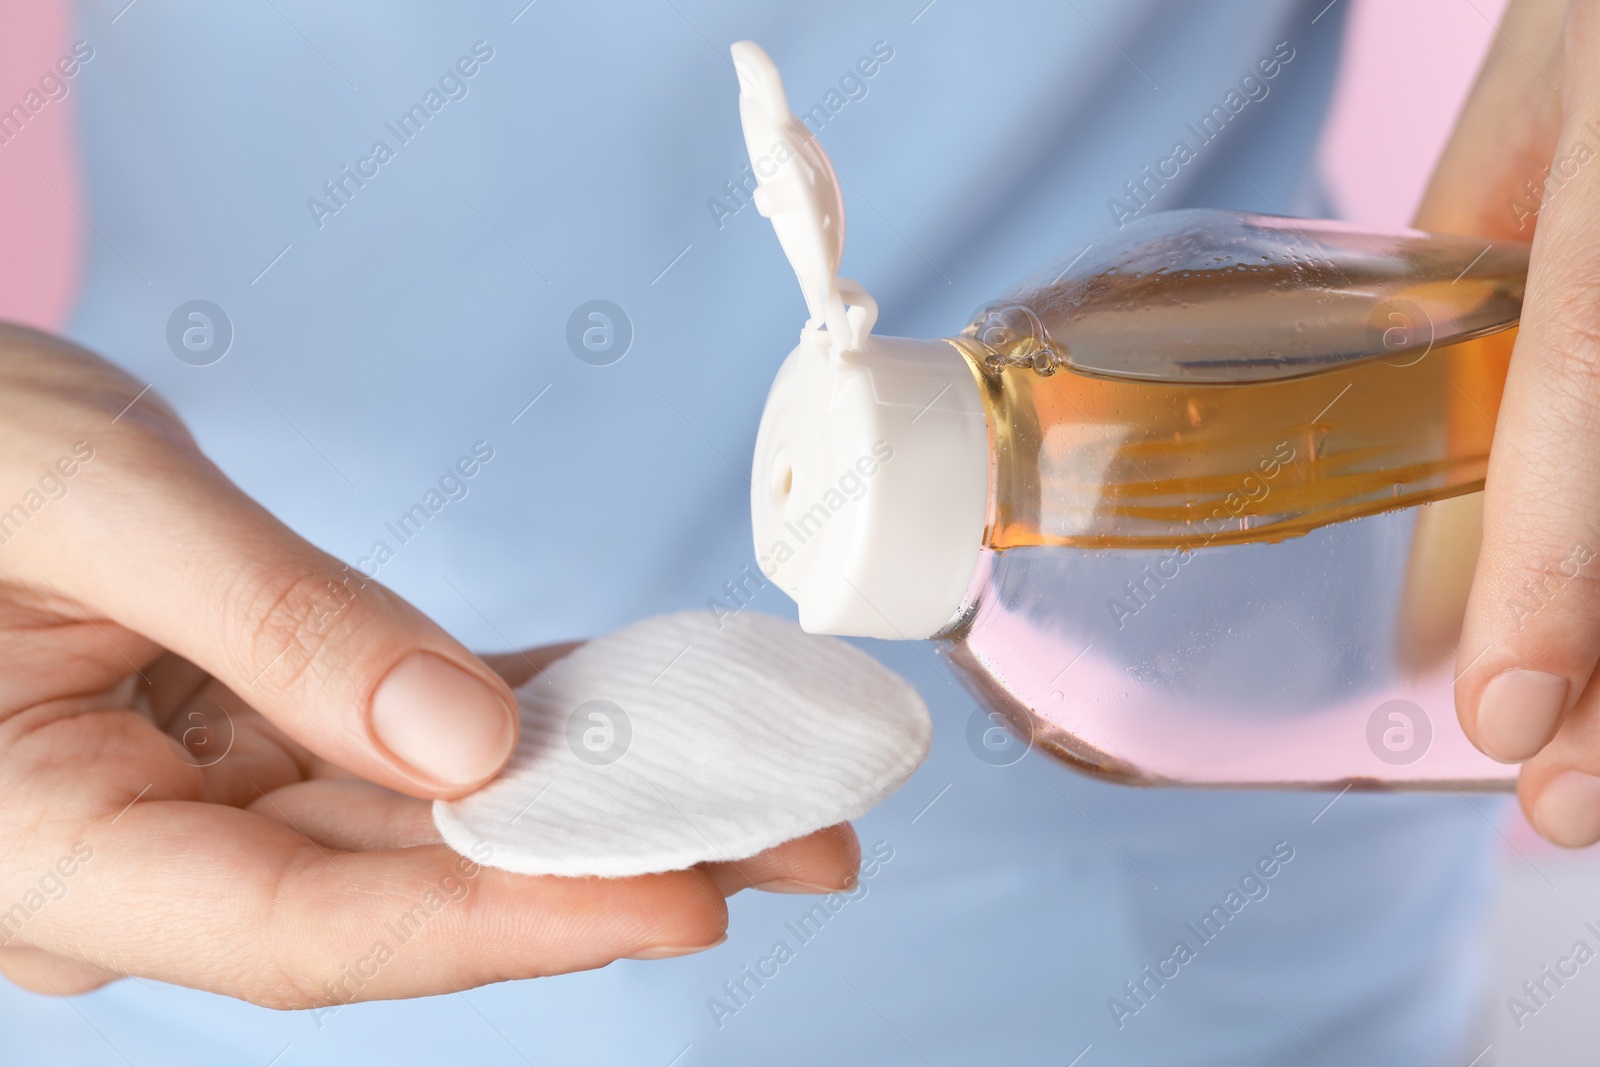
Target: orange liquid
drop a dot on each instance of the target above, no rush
(1098, 462)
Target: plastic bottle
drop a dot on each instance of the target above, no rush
(1198, 506)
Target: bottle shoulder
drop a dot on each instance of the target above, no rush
(1213, 296)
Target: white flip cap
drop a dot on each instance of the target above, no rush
(871, 484)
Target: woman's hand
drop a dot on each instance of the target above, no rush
(1532, 632)
(213, 737)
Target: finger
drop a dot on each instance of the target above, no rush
(517, 667)
(1560, 786)
(155, 538)
(1506, 133)
(43, 972)
(239, 753)
(286, 923)
(822, 862)
(359, 816)
(1532, 631)
(352, 816)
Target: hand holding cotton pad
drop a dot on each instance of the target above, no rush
(681, 739)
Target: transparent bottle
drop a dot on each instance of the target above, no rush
(1198, 506)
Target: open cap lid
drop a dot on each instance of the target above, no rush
(796, 188)
(871, 475)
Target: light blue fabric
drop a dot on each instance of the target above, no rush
(424, 315)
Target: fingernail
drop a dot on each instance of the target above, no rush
(790, 885)
(1568, 811)
(667, 952)
(442, 721)
(794, 885)
(1518, 713)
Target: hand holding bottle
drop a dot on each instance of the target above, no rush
(1523, 158)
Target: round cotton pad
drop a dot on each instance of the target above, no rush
(685, 738)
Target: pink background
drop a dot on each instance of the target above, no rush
(1406, 70)
(40, 232)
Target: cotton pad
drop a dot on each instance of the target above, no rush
(687, 738)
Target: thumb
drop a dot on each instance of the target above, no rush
(158, 540)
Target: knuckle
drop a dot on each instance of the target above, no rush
(285, 989)
(290, 618)
(140, 451)
(1550, 587)
(283, 976)
(50, 375)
